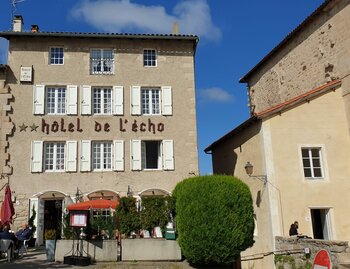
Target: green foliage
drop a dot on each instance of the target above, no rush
(155, 212)
(104, 223)
(31, 220)
(128, 217)
(214, 217)
(281, 260)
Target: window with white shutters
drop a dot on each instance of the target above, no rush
(85, 156)
(85, 102)
(151, 100)
(152, 155)
(54, 156)
(55, 100)
(101, 155)
(37, 156)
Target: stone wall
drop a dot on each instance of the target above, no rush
(289, 249)
(314, 56)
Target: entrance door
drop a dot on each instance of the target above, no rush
(37, 205)
(321, 223)
(53, 216)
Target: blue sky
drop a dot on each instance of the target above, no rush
(234, 36)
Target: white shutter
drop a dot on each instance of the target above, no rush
(135, 154)
(168, 154)
(118, 100)
(85, 156)
(167, 101)
(135, 100)
(72, 99)
(71, 156)
(85, 93)
(39, 99)
(37, 156)
(118, 155)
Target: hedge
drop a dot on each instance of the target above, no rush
(214, 218)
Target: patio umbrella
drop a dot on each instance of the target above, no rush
(7, 209)
(94, 204)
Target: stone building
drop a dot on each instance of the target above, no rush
(94, 115)
(297, 138)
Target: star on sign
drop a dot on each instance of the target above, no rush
(33, 127)
(23, 127)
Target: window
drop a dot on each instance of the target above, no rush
(150, 101)
(102, 101)
(54, 153)
(151, 155)
(149, 57)
(312, 162)
(102, 155)
(55, 100)
(56, 55)
(102, 61)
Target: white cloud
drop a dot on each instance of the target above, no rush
(3, 50)
(216, 95)
(193, 17)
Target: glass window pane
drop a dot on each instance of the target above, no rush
(307, 172)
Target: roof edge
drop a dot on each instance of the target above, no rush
(300, 98)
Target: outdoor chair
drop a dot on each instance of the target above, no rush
(6, 246)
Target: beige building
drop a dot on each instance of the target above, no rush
(94, 115)
(297, 137)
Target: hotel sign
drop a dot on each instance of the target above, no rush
(26, 74)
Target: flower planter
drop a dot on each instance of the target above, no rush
(50, 247)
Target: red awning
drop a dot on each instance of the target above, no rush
(97, 204)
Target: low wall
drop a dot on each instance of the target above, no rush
(150, 250)
(99, 250)
(294, 247)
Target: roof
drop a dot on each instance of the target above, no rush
(276, 109)
(9, 34)
(285, 41)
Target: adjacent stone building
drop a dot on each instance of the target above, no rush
(297, 137)
(94, 115)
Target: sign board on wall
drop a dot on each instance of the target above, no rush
(322, 260)
(26, 74)
(78, 219)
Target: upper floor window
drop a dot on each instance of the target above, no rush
(56, 55)
(54, 153)
(102, 61)
(101, 155)
(149, 57)
(312, 162)
(150, 101)
(152, 155)
(56, 100)
(102, 101)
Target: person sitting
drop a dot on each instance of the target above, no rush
(294, 229)
(5, 234)
(21, 235)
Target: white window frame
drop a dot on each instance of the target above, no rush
(147, 62)
(55, 101)
(322, 157)
(102, 162)
(149, 92)
(55, 157)
(56, 58)
(103, 62)
(102, 102)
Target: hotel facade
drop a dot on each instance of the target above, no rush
(94, 115)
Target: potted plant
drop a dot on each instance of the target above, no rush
(50, 244)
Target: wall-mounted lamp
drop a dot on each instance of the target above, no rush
(249, 170)
(129, 192)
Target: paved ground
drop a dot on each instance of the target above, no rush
(36, 258)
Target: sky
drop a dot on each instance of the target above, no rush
(234, 36)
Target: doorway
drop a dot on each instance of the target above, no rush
(53, 216)
(321, 225)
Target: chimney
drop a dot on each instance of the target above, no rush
(35, 28)
(17, 23)
(176, 30)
